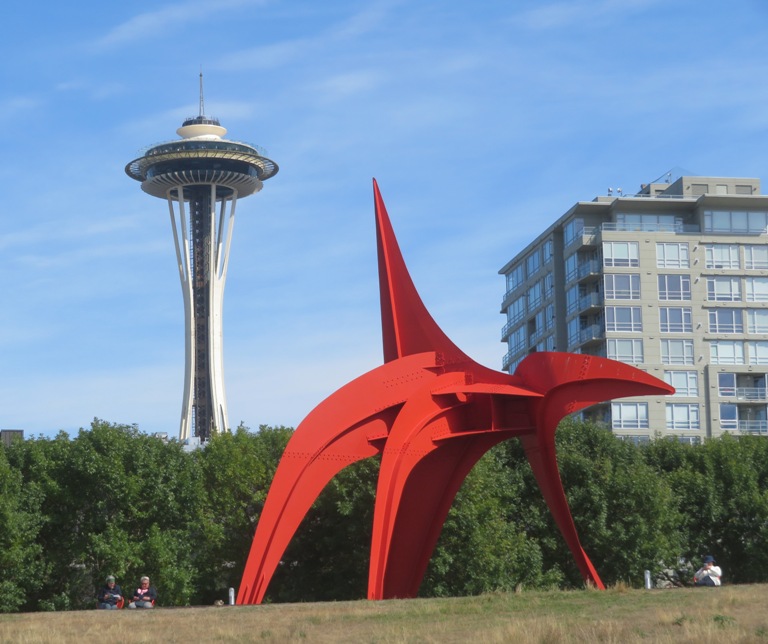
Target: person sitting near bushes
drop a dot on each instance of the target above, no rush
(144, 596)
(709, 574)
(110, 596)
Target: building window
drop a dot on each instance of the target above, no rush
(669, 255)
(516, 341)
(626, 415)
(572, 230)
(723, 289)
(682, 416)
(758, 352)
(621, 254)
(756, 257)
(549, 317)
(533, 295)
(736, 222)
(726, 321)
(677, 351)
(674, 287)
(516, 310)
(622, 287)
(515, 277)
(726, 384)
(726, 352)
(757, 320)
(649, 223)
(722, 256)
(757, 289)
(571, 267)
(628, 350)
(729, 416)
(675, 319)
(623, 319)
(549, 285)
(533, 262)
(686, 383)
(574, 331)
(547, 251)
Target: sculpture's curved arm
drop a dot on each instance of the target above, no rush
(349, 425)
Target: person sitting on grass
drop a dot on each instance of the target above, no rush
(110, 596)
(709, 574)
(144, 596)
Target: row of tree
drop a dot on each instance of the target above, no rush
(115, 501)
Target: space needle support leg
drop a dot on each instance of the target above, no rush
(219, 260)
(181, 241)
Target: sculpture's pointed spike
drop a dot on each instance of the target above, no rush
(406, 325)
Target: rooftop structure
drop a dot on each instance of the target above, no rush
(201, 176)
(674, 280)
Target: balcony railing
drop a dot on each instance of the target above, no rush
(587, 236)
(649, 227)
(753, 426)
(590, 300)
(592, 332)
(744, 393)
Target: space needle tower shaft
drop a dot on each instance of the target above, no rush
(202, 176)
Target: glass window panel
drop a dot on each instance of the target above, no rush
(629, 350)
(674, 287)
(722, 256)
(725, 321)
(682, 416)
(757, 289)
(675, 319)
(758, 352)
(629, 415)
(757, 320)
(623, 318)
(726, 352)
(756, 257)
(723, 289)
(672, 255)
(686, 383)
(622, 286)
(677, 351)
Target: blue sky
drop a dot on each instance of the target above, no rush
(481, 121)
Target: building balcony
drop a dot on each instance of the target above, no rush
(592, 333)
(507, 328)
(590, 301)
(588, 236)
(753, 427)
(746, 394)
(583, 271)
(612, 226)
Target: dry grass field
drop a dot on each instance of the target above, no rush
(727, 614)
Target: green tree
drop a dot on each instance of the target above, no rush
(237, 470)
(20, 555)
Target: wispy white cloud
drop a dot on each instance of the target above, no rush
(555, 15)
(166, 20)
(14, 106)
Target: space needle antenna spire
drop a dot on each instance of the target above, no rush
(202, 103)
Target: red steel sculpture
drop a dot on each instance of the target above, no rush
(431, 412)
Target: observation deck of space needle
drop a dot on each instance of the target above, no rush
(201, 176)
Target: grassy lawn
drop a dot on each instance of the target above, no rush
(727, 614)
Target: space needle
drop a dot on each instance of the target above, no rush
(202, 175)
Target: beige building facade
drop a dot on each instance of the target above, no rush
(673, 280)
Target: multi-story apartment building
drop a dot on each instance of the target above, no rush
(673, 280)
